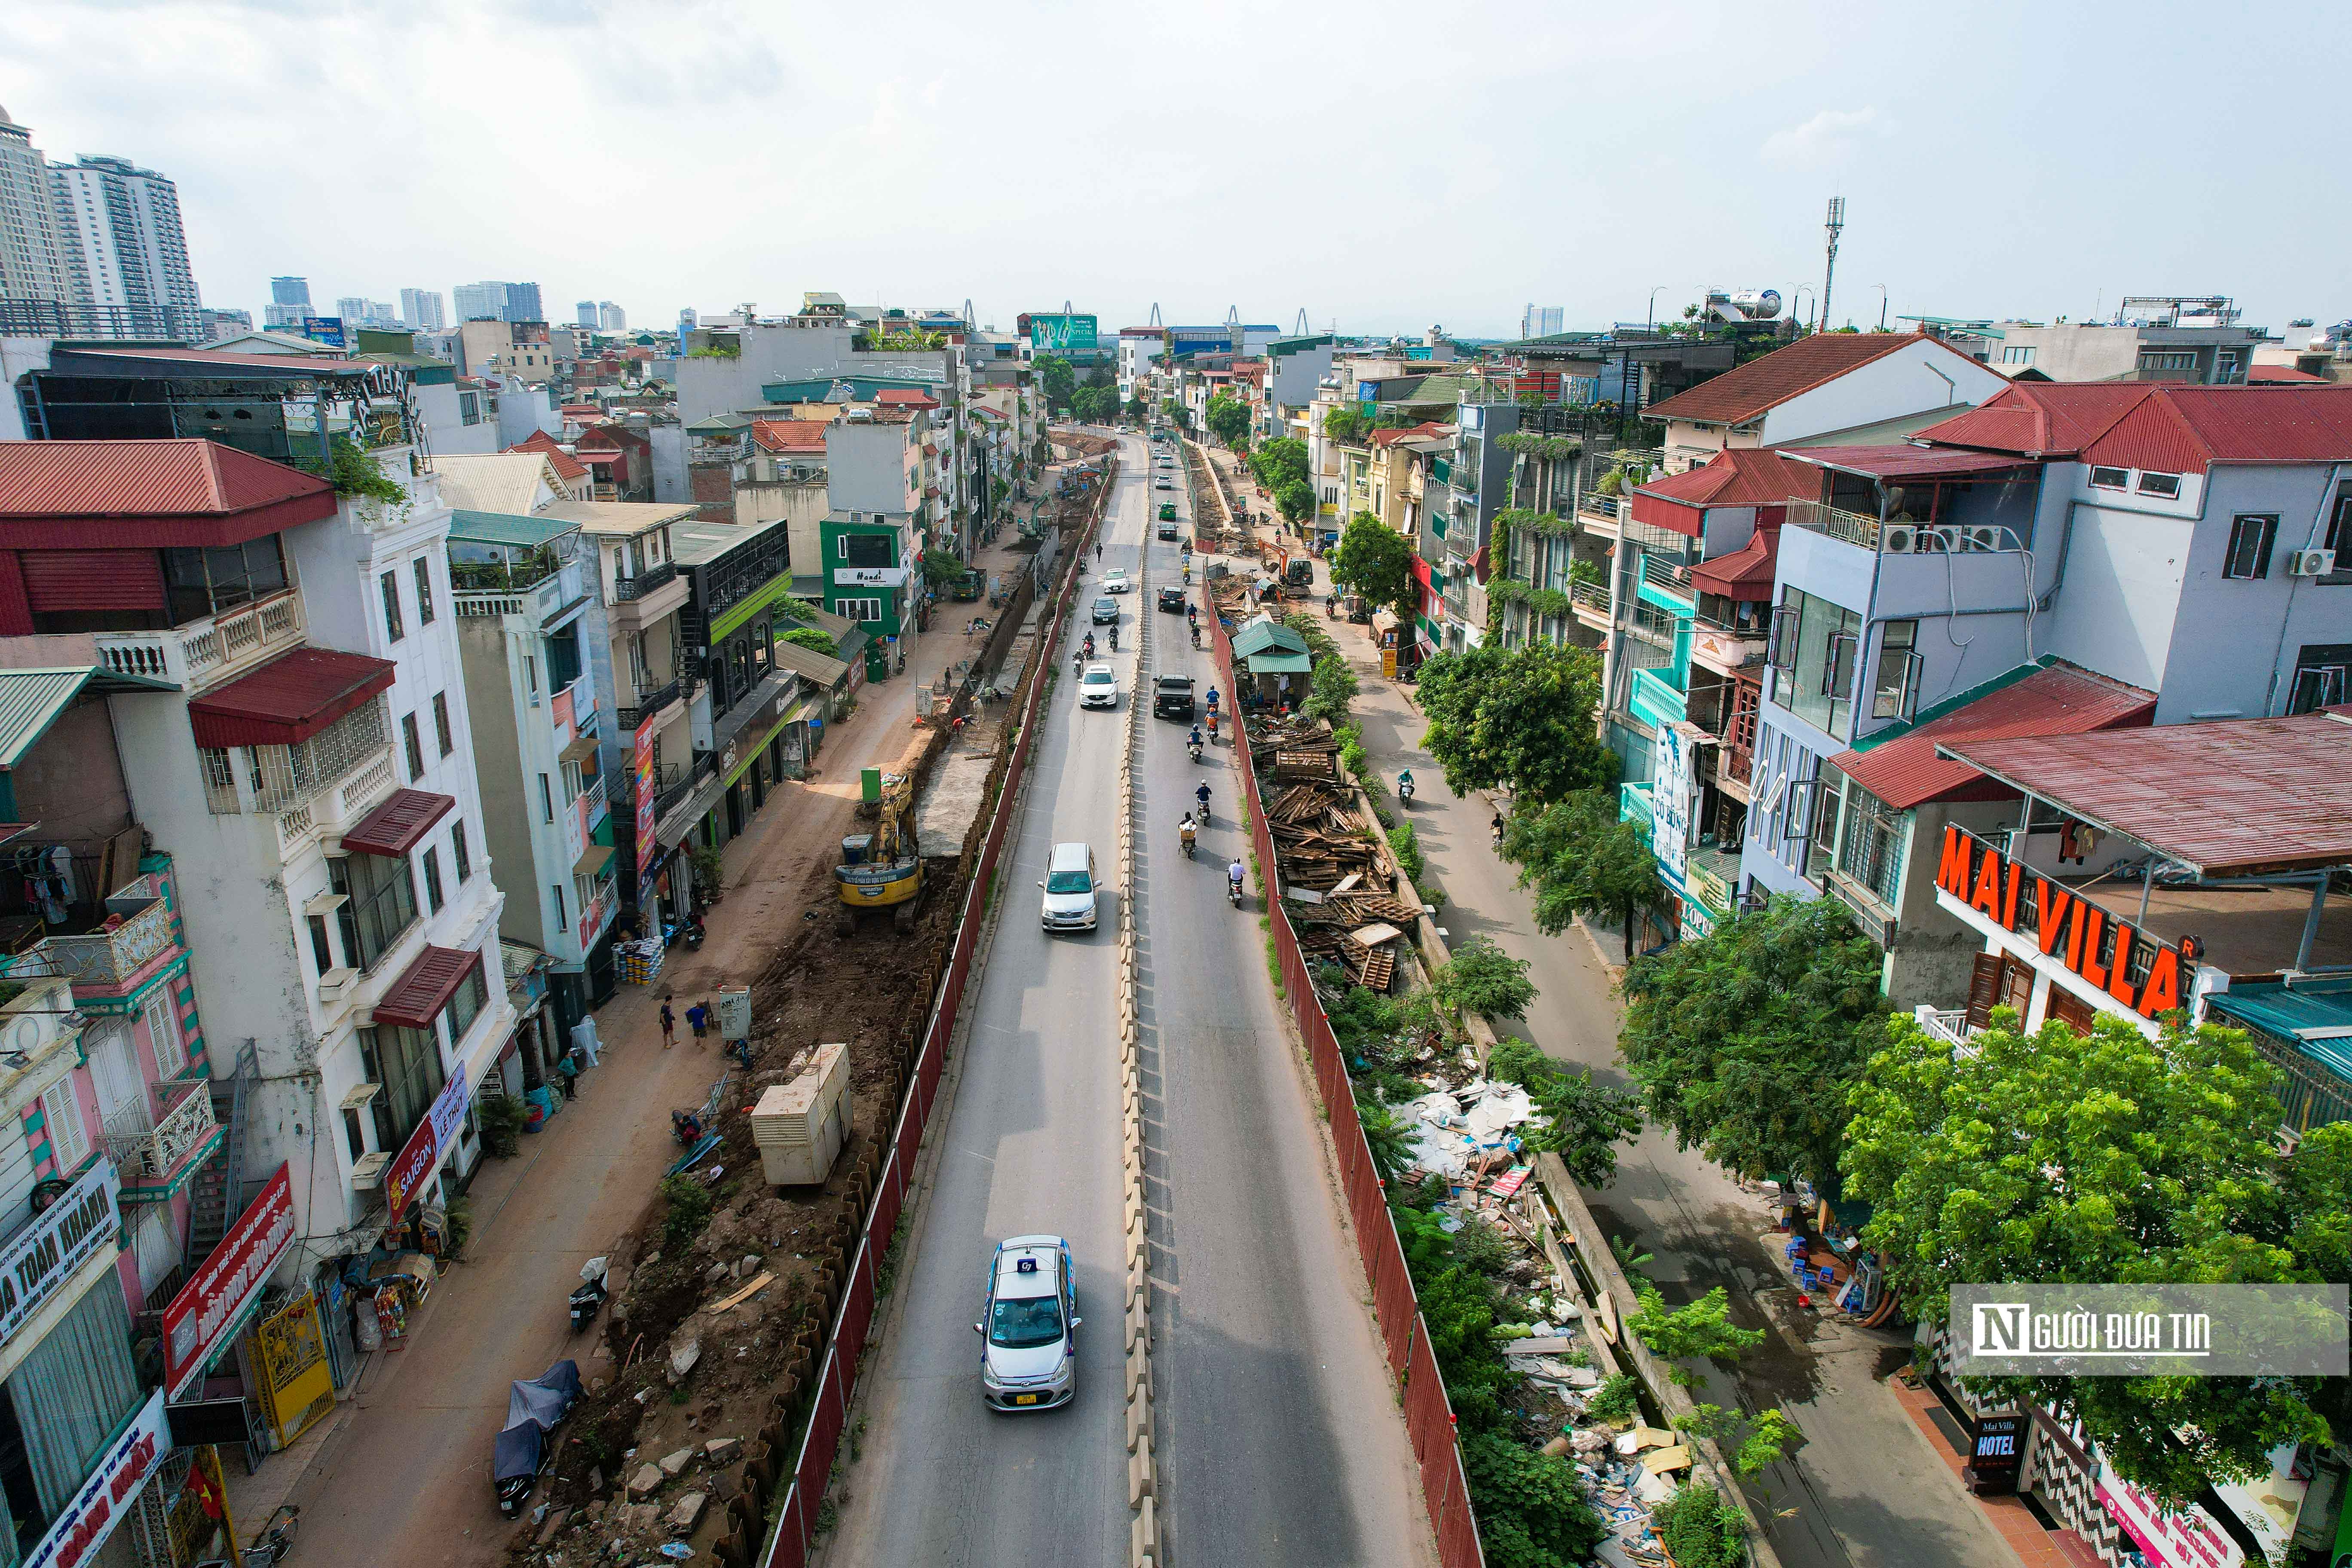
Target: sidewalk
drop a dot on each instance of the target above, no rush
(399, 1471)
(1863, 1491)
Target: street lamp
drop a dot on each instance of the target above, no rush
(1650, 316)
(1882, 305)
(1800, 289)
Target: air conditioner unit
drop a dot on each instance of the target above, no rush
(2310, 563)
(1981, 538)
(1899, 538)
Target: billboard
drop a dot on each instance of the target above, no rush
(1059, 334)
(327, 329)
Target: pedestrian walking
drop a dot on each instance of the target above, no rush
(698, 1018)
(668, 1022)
(568, 1066)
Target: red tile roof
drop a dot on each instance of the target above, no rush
(2171, 427)
(2282, 373)
(1907, 462)
(1744, 476)
(399, 824)
(148, 494)
(289, 699)
(1746, 572)
(1407, 433)
(1901, 766)
(905, 397)
(566, 465)
(790, 434)
(425, 987)
(1754, 389)
(2230, 797)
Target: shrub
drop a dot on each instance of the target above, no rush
(1406, 845)
(1619, 1396)
(1481, 978)
(1700, 1528)
(1530, 1512)
(689, 1211)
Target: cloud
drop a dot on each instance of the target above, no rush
(1829, 137)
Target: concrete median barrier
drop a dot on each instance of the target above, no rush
(1139, 1421)
(1139, 1371)
(1142, 1485)
(1138, 1326)
(1143, 1538)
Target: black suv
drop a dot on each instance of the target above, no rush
(1173, 600)
(1172, 697)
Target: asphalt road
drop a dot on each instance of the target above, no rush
(1279, 1434)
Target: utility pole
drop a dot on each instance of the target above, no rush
(1832, 228)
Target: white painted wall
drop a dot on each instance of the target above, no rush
(1922, 374)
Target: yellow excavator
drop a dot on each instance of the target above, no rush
(884, 869)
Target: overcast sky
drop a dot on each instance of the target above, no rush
(1382, 167)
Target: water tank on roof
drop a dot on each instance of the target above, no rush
(1742, 304)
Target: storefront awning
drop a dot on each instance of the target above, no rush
(592, 860)
(425, 988)
(581, 747)
(288, 699)
(398, 825)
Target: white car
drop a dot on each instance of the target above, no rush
(1069, 904)
(1163, 483)
(1116, 581)
(1028, 1327)
(1099, 688)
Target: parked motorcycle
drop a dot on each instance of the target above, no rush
(276, 1540)
(694, 934)
(589, 1298)
(522, 1450)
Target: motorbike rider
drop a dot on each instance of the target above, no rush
(1213, 699)
(1201, 794)
(1114, 640)
(1495, 826)
(1088, 645)
(1233, 876)
(1404, 781)
(1186, 831)
(1196, 634)
(1195, 736)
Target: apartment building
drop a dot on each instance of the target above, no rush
(2183, 338)
(126, 255)
(877, 525)
(2104, 530)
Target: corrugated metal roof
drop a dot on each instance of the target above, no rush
(399, 824)
(289, 699)
(807, 662)
(1756, 388)
(32, 699)
(2186, 430)
(619, 517)
(1902, 461)
(468, 527)
(2233, 797)
(425, 987)
(1905, 766)
(570, 467)
(1744, 476)
(146, 479)
(1747, 571)
(2053, 419)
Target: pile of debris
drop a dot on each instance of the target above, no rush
(1359, 927)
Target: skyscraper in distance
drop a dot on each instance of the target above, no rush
(421, 309)
(480, 301)
(584, 313)
(32, 265)
(1541, 320)
(611, 317)
(522, 303)
(290, 291)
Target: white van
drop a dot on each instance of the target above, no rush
(1069, 887)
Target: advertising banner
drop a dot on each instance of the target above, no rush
(45, 1254)
(2188, 1540)
(103, 1500)
(409, 1173)
(197, 1322)
(641, 764)
(1670, 803)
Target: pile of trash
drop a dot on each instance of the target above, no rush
(1464, 1133)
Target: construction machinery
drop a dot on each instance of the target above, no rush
(882, 869)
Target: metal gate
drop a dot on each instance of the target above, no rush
(290, 1353)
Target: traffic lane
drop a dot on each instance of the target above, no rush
(1030, 1145)
(1280, 1434)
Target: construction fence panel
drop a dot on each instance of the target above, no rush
(836, 1379)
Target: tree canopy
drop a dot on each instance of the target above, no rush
(1376, 561)
(1520, 718)
(1585, 1121)
(1581, 858)
(1747, 1040)
(1346, 424)
(1279, 462)
(1228, 419)
(1059, 380)
(2058, 1157)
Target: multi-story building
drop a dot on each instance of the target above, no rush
(32, 260)
(488, 346)
(1922, 586)
(421, 309)
(610, 318)
(750, 723)
(357, 312)
(1540, 320)
(2166, 339)
(312, 769)
(289, 302)
(126, 256)
(529, 622)
(872, 541)
(216, 324)
(480, 302)
(584, 313)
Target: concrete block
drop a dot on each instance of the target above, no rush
(1139, 1286)
(1141, 1488)
(1138, 1325)
(722, 1451)
(1138, 1249)
(674, 1464)
(1132, 1216)
(1143, 1537)
(1139, 1421)
(685, 1513)
(646, 1480)
(1139, 1372)
(555, 1522)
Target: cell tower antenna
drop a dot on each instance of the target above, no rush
(1831, 228)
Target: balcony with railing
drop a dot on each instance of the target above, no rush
(648, 704)
(1636, 805)
(1666, 574)
(157, 1154)
(107, 960)
(203, 654)
(1590, 601)
(1656, 698)
(341, 805)
(1712, 878)
(597, 805)
(1949, 1026)
(1819, 516)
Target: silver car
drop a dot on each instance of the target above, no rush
(1028, 1327)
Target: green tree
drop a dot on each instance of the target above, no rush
(812, 639)
(1531, 1512)
(1176, 413)
(1481, 978)
(1279, 462)
(1059, 380)
(1746, 1041)
(1581, 858)
(1376, 561)
(1346, 424)
(1136, 409)
(1295, 500)
(1700, 1528)
(1521, 718)
(1751, 1442)
(1700, 1331)
(1584, 1121)
(1228, 419)
(2059, 1157)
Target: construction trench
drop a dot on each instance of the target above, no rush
(699, 1380)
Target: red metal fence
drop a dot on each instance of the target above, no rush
(836, 1378)
(1428, 1415)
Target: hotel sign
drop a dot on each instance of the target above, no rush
(2068, 928)
(65, 1236)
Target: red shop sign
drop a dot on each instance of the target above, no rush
(198, 1319)
(2066, 925)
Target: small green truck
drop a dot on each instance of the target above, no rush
(1168, 512)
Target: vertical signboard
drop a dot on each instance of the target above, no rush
(196, 1324)
(1670, 804)
(641, 767)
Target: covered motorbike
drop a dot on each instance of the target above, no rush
(522, 1450)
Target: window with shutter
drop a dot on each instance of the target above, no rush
(1984, 988)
